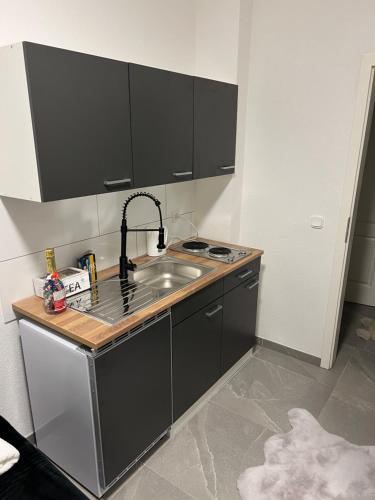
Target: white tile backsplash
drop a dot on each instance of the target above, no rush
(213, 194)
(178, 229)
(28, 227)
(75, 226)
(142, 243)
(16, 280)
(180, 197)
(16, 275)
(105, 247)
(140, 211)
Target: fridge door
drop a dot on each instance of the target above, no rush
(134, 395)
(60, 397)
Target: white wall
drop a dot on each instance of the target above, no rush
(297, 65)
(160, 34)
(153, 33)
(217, 23)
(304, 65)
(218, 200)
(297, 69)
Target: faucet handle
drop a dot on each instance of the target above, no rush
(161, 244)
(132, 266)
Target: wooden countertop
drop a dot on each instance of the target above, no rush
(94, 333)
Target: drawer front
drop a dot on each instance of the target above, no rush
(241, 275)
(196, 301)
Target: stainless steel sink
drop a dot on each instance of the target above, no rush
(114, 299)
(168, 274)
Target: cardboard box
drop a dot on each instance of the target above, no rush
(75, 281)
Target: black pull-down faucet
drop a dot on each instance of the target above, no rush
(125, 263)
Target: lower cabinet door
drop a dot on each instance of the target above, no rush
(239, 320)
(196, 353)
(134, 395)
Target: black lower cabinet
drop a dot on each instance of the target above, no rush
(134, 395)
(239, 321)
(196, 356)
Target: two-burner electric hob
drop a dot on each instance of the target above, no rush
(202, 248)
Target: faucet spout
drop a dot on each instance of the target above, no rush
(125, 263)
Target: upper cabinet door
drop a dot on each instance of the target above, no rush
(81, 119)
(162, 125)
(215, 121)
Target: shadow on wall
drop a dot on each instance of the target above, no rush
(214, 207)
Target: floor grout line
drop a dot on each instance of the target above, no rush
(334, 387)
(265, 430)
(170, 482)
(233, 412)
(350, 357)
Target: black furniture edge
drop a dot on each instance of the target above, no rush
(34, 476)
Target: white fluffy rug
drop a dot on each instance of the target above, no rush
(309, 463)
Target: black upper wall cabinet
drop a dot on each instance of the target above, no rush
(134, 392)
(215, 120)
(75, 124)
(81, 120)
(162, 125)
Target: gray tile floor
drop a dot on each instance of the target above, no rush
(205, 458)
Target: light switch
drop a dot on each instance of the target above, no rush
(317, 221)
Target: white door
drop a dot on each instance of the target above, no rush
(361, 278)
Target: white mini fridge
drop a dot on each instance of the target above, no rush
(96, 413)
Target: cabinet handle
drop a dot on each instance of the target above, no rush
(252, 285)
(245, 274)
(226, 168)
(218, 308)
(182, 174)
(117, 183)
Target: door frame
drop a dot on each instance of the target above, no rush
(348, 210)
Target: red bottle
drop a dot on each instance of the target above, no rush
(54, 294)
